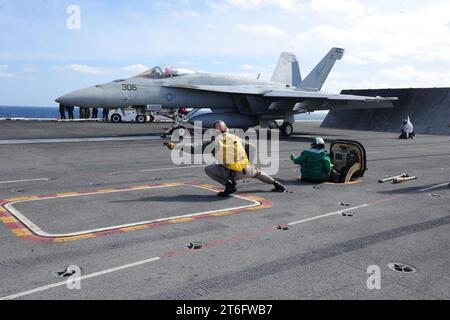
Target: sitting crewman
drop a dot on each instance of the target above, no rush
(233, 164)
(407, 130)
(315, 163)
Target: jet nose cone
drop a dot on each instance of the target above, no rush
(89, 97)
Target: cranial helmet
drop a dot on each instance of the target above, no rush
(221, 126)
(318, 143)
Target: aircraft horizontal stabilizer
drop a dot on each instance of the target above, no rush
(300, 95)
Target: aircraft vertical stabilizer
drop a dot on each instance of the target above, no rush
(315, 80)
(287, 70)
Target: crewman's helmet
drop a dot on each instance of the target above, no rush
(318, 143)
(221, 126)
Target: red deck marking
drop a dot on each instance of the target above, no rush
(45, 196)
(262, 204)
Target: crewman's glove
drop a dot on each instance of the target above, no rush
(170, 145)
(292, 157)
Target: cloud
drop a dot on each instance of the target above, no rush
(186, 63)
(288, 5)
(83, 69)
(342, 7)
(266, 30)
(135, 69)
(31, 68)
(4, 72)
(183, 14)
(409, 76)
(381, 37)
(406, 76)
(248, 67)
(129, 70)
(7, 55)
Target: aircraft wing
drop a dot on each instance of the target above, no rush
(299, 100)
(282, 94)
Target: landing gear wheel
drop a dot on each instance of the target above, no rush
(287, 129)
(152, 119)
(141, 119)
(116, 118)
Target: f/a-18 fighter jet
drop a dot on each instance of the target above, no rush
(240, 102)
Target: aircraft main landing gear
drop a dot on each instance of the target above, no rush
(287, 129)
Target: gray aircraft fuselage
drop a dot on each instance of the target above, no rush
(140, 92)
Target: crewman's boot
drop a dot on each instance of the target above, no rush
(279, 187)
(229, 190)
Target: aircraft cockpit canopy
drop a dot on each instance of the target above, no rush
(162, 72)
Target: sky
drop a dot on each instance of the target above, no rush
(388, 43)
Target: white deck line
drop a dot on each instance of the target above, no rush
(175, 168)
(88, 276)
(38, 231)
(72, 140)
(25, 180)
(328, 215)
(434, 187)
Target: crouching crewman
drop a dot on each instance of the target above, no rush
(407, 130)
(232, 155)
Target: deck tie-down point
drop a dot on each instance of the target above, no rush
(195, 245)
(67, 272)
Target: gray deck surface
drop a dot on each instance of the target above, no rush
(323, 258)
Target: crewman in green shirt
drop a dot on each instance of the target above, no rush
(315, 163)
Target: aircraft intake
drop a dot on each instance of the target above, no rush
(233, 120)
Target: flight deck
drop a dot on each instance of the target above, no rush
(107, 198)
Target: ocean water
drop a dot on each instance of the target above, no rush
(28, 112)
(52, 112)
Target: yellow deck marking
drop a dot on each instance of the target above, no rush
(343, 184)
(106, 190)
(223, 213)
(21, 199)
(173, 184)
(76, 238)
(8, 219)
(22, 232)
(67, 194)
(128, 229)
(139, 187)
(182, 220)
